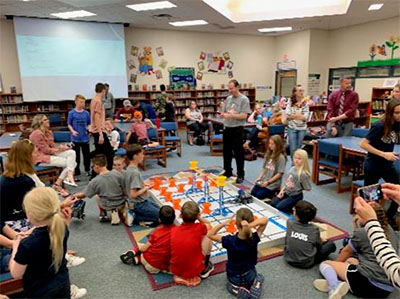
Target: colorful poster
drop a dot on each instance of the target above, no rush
(146, 61)
(134, 51)
(158, 74)
(230, 74)
(203, 55)
(131, 64)
(133, 78)
(229, 65)
(199, 76)
(226, 56)
(160, 51)
(200, 65)
(182, 75)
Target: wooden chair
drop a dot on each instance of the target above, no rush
(213, 140)
(48, 173)
(159, 152)
(172, 141)
(359, 132)
(191, 133)
(332, 164)
(10, 286)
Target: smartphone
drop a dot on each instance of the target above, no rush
(371, 193)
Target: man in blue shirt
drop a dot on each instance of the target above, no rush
(78, 122)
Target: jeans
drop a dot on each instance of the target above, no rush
(233, 147)
(262, 193)
(244, 279)
(295, 140)
(286, 203)
(147, 210)
(5, 255)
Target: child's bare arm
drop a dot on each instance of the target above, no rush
(144, 247)
(261, 224)
(80, 195)
(213, 232)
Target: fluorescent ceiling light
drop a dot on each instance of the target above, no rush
(151, 5)
(266, 10)
(375, 6)
(73, 14)
(275, 29)
(188, 23)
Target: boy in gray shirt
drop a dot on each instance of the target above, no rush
(144, 207)
(304, 246)
(108, 186)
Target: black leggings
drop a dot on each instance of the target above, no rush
(198, 128)
(105, 148)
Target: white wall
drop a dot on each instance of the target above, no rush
(319, 47)
(252, 55)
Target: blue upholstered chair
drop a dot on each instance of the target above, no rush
(359, 132)
(62, 136)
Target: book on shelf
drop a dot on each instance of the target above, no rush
(16, 109)
(12, 99)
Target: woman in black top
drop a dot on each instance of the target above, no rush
(379, 143)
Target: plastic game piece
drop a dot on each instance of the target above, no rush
(231, 227)
(206, 207)
(190, 180)
(213, 183)
(172, 182)
(157, 183)
(193, 165)
(163, 190)
(199, 184)
(168, 196)
(221, 181)
(176, 204)
(181, 188)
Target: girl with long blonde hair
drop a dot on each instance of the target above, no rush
(295, 181)
(243, 279)
(40, 257)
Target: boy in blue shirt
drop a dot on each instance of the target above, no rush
(78, 122)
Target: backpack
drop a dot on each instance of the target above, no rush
(200, 140)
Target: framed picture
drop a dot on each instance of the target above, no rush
(134, 51)
(230, 74)
(229, 65)
(203, 55)
(226, 56)
(160, 51)
(200, 65)
(199, 76)
(158, 74)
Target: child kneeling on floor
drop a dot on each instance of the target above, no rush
(156, 253)
(144, 207)
(108, 186)
(243, 279)
(190, 247)
(294, 182)
(304, 246)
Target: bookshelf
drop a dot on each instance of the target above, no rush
(318, 115)
(379, 98)
(14, 111)
(207, 100)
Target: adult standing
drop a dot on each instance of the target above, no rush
(296, 115)
(234, 113)
(342, 106)
(98, 126)
(108, 101)
(379, 143)
(161, 102)
(47, 153)
(194, 121)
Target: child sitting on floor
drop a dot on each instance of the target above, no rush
(144, 207)
(108, 186)
(156, 253)
(364, 276)
(304, 245)
(119, 163)
(139, 128)
(269, 180)
(190, 247)
(243, 279)
(294, 182)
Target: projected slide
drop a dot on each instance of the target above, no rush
(59, 59)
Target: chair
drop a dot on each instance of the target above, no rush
(172, 141)
(333, 164)
(213, 140)
(48, 173)
(191, 133)
(121, 151)
(62, 136)
(359, 132)
(55, 118)
(8, 285)
(159, 152)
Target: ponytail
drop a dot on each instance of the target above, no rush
(57, 234)
(382, 219)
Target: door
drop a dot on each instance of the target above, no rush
(284, 82)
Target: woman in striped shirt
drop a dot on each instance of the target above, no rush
(386, 256)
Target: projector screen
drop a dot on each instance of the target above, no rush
(58, 59)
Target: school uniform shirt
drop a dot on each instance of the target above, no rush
(368, 265)
(378, 141)
(239, 104)
(109, 188)
(133, 180)
(242, 254)
(302, 242)
(159, 253)
(271, 168)
(35, 252)
(79, 120)
(293, 184)
(297, 124)
(187, 259)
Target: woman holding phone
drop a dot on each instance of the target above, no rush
(379, 143)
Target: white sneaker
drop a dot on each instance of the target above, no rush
(73, 260)
(77, 292)
(115, 218)
(321, 285)
(340, 291)
(128, 218)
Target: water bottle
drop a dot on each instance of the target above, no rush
(158, 123)
(259, 120)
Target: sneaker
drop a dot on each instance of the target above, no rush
(190, 282)
(239, 180)
(207, 271)
(129, 218)
(321, 285)
(115, 217)
(89, 174)
(224, 173)
(73, 260)
(257, 286)
(340, 291)
(129, 258)
(77, 292)
(103, 216)
(240, 292)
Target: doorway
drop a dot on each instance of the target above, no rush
(284, 82)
